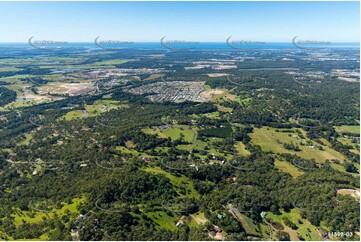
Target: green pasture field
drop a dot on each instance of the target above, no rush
(178, 182)
(270, 140)
(353, 129)
(286, 167)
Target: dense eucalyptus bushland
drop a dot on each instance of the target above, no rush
(125, 194)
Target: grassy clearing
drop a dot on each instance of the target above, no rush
(246, 100)
(162, 149)
(353, 129)
(35, 216)
(60, 87)
(265, 232)
(99, 107)
(153, 77)
(225, 96)
(27, 139)
(163, 220)
(306, 229)
(178, 182)
(224, 109)
(104, 105)
(286, 167)
(199, 218)
(125, 150)
(75, 114)
(273, 141)
(154, 131)
(6, 69)
(20, 104)
(15, 77)
(173, 133)
(200, 145)
(352, 192)
(130, 144)
(249, 226)
(40, 59)
(111, 62)
(5, 237)
(355, 151)
(348, 141)
(212, 115)
(192, 222)
(241, 149)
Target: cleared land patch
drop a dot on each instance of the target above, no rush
(241, 149)
(172, 132)
(272, 141)
(348, 141)
(71, 89)
(163, 220)
(353, 129)
(178, 182)
(306, 229)
(111, 62)
(99, 107)
(286, 167)
(351, 192)
(37, 216)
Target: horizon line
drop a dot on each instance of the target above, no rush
(193, 42)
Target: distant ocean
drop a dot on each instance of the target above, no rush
(197, 46)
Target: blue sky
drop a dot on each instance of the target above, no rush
(191, 21)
